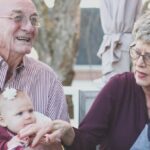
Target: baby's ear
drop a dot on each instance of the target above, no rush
(2, 122)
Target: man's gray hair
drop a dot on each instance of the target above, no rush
(141, 30)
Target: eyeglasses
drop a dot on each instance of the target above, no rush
(135, 55)
(19, 19)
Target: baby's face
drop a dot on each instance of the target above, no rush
(18, 113)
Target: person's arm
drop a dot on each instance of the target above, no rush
(57, 101)
(94, 128)
(58, 130)
(51, 100)
(13, 143)
(18, 144)
(61, 130)
(44, 141)
(4, 138)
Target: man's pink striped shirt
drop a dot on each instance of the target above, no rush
(41, 84)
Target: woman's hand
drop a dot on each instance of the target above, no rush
(57, 130)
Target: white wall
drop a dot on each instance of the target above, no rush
(90, 3)
(84, 3)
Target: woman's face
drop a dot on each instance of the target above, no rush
(141, 65)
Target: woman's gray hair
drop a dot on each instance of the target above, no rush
(141, 29)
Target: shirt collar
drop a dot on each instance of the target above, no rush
(18, 68)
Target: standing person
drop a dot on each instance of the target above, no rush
(17, 112)
(19, 23)
(121, 111)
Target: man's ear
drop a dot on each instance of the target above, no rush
(2, 122)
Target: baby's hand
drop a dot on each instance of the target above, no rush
(16, 141)
(47, 141)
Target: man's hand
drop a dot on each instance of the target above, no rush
(36, 131)
(57, 130)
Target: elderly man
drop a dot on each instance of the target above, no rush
(19, 27)
(19, 23)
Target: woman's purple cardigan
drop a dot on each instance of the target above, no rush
(116, 118)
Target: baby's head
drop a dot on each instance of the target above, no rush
(16, 110)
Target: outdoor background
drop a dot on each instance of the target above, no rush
(70, 36)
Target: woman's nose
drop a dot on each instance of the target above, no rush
(141, 61)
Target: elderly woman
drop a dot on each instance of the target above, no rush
(121, 110)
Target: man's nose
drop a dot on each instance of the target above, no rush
(27, 25)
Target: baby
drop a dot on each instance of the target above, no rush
(16, 112)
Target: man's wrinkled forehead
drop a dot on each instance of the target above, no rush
(7, 6)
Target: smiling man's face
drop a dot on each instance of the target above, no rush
(17, 33)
